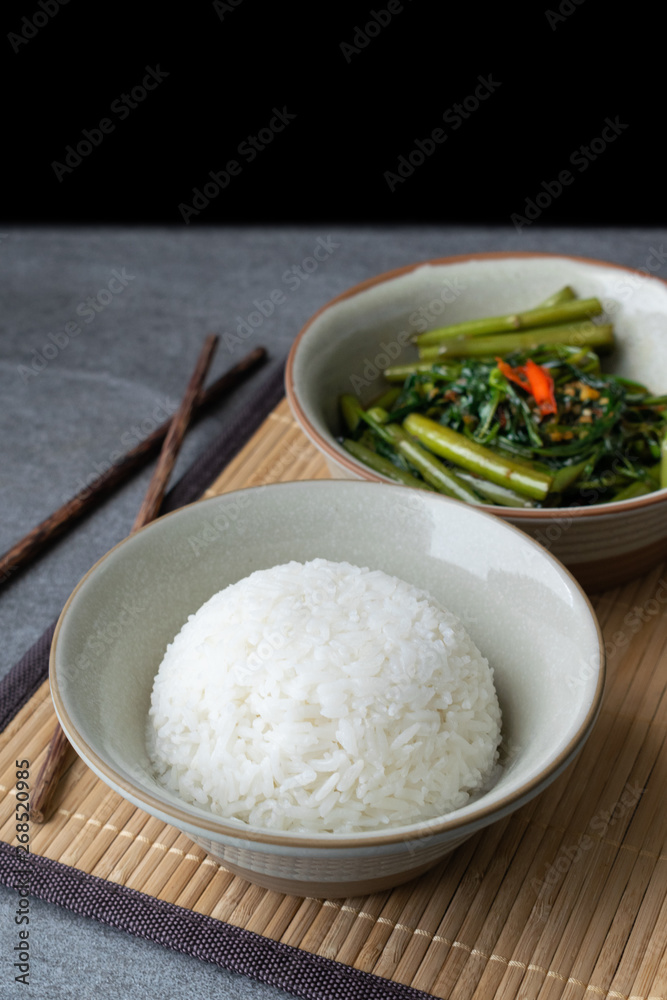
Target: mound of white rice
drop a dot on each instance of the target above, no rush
(324, 697)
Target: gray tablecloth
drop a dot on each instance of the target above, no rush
(100, 329)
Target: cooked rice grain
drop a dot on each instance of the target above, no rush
(323, 697)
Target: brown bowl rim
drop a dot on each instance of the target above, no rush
(180, 817)
(357, 469)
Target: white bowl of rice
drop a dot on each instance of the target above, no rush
(328, 685)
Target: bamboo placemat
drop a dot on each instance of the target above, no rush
(565, 898)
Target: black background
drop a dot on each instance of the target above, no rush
(559, 71)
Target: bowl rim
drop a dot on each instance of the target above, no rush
(181, 818)
(341, 458)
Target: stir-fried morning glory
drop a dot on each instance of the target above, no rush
(542, 426)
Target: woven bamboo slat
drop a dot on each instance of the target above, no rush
(567, 898)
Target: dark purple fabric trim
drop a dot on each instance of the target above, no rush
(310, 977)
(19, 685)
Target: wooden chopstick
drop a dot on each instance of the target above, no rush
(39, 537)
(56, 756)
(174, 439)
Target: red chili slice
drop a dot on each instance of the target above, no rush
(535, 380)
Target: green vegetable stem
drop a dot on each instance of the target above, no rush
(383, 465)
(583, 335)
(475, 458)
(433, 471)
(562, 312)
(562, 295)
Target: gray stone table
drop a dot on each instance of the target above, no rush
(100, 329)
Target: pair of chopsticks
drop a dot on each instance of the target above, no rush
(83, 502)
(171, 434)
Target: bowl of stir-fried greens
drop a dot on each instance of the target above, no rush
(533, 386)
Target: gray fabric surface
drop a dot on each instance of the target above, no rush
(102, 387)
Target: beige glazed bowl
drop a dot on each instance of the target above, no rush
(523, 609)
(344, 347)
